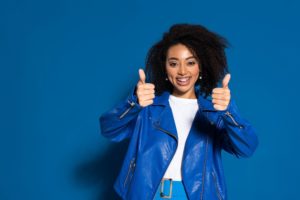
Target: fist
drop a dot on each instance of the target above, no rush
(221, 96)
(145, 91)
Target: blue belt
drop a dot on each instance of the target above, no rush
(169, 189)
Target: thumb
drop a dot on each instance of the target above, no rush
(225, 81)
(142, 76)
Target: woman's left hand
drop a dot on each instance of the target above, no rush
(221, 96)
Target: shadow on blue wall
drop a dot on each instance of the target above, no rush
(101, 171)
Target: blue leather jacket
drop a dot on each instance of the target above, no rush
(153, 142)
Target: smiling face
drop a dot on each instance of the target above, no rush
(182, 71)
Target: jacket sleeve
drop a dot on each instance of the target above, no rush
(118, 123)
(238, 136)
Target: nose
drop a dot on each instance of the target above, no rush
(182, 69)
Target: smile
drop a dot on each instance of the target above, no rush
(183, 81)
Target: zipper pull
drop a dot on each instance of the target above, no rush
(128, 109)
(233, 120)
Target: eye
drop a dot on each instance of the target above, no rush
(172, 64)
(191, 63)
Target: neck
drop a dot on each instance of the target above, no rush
(192, 95)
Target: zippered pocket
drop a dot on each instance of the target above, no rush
(127, 110)
(233, 120)
(129, 172)
(216, 186)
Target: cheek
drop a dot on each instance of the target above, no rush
(196, 71)
(198, 68)
(170, 72)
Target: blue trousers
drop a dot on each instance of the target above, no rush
(169, 189)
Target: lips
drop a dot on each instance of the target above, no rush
(182, 81)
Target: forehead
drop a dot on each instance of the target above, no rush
(179, 51)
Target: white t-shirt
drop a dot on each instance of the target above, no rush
(184, 111)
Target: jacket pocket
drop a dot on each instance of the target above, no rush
(218, 193)
(233, 120)
(131, 103)
(129, 172)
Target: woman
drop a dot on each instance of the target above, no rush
(178, 120)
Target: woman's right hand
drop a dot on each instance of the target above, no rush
(145, 91)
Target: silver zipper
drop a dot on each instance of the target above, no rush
(127, 110)
(229, 115)
(164, 171)
(217, 190)
(131, 167)
(167, 132)
(204, 170)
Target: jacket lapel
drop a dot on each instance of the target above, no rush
(205, 104)
(165, 120)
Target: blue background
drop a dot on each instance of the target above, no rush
(63, 63)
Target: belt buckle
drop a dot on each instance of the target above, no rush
(162, 195)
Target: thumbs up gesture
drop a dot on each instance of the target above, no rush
(221, 96)
(145, 91)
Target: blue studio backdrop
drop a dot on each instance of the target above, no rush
(63, 63)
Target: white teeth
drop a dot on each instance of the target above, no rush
(182, 79)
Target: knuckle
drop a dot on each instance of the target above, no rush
(140, 93)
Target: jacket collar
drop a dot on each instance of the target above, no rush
(205, 104)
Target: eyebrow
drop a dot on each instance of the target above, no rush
(173, 58)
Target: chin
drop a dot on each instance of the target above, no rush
(182, 91)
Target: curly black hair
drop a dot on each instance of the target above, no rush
(207, 47)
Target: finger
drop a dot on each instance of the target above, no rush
(221, 91)
(149, 86)
(220, 96)
(144, 92)
(219, 107)
(145, 88)
(226, 80)
(142, 76)
(150, 101)
(220, 102)
(147, 97)
(147, 103)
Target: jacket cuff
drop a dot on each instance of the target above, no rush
(231, 115)
(132, 105)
